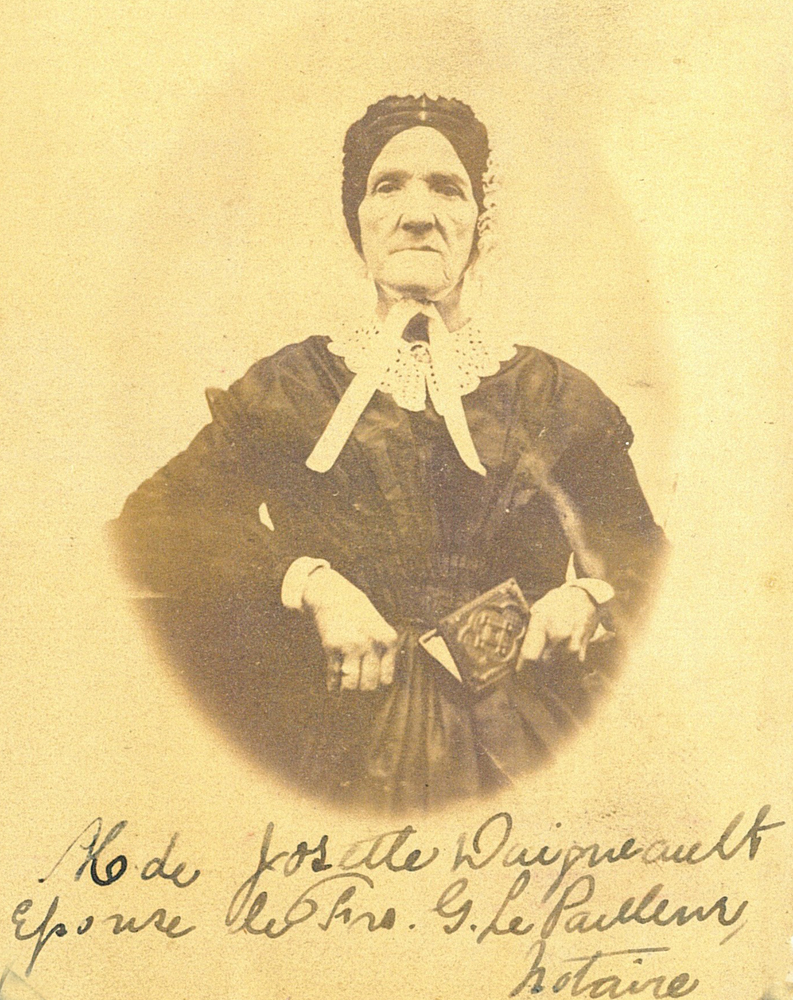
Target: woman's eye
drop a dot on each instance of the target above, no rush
(385, 187)
(450, 191)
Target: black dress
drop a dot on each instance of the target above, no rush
(407, 522)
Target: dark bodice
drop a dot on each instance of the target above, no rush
(399, 514)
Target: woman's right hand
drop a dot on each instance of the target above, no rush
(360, 646)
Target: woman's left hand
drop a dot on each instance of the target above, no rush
(566, 616)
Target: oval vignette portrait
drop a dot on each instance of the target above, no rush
(402, 562)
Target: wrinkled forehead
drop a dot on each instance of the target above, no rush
(419, 151)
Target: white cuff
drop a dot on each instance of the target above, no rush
(295, 579)
(600, 591)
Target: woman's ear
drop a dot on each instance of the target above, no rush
(473, 257)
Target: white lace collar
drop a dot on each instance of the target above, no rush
(448, 366)
(473, 355)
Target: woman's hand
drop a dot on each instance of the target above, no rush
(359, 644)
(565, 616)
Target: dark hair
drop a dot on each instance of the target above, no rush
(387, 118)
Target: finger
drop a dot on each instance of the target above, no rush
(370, 671)
(333, 670)
(351, 672)
(574, 642)
(534, 641)
(579, 638)
(384, 635)
(388, 665)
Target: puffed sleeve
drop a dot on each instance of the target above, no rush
(194, 528)
(607, 519)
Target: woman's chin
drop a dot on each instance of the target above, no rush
(421, 291)
(419, 282)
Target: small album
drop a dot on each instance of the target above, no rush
(480, 642)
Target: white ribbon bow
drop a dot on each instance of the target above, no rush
(439, 379)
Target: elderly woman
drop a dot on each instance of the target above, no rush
(425, 484)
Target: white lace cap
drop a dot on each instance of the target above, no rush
(448, 367)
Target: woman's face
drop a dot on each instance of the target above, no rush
(418, 217)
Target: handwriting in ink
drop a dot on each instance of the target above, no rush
(609, 986)
(492, 840)
(40, 933)
(293, 863)
(307, 905)
(114, 869)
(43, 932)
(155, 868)
(379, 851)
(456, 906)
(632, 912)
(517, 924)
(159, 919)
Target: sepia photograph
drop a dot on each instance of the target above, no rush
(396, 528)
(390, 559)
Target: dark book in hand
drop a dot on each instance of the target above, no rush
(484, 636)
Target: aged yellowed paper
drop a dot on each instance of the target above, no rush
(172, 214)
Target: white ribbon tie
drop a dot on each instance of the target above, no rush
(439, 380)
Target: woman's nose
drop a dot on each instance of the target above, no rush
(418, 210)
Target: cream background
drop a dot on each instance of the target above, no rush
(169, 217)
